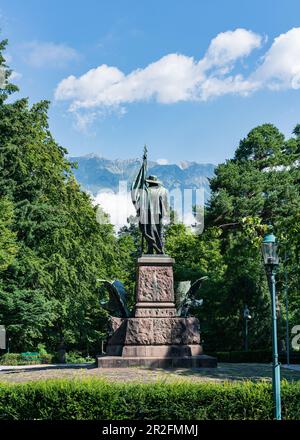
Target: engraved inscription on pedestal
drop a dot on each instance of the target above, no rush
(152, 312)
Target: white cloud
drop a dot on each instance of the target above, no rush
(176, 77)
(87, 90)
(2, 77)
(84, 120)
(162, 161)
(8, 58)
(15, 76)
(118, 205)
(281, 64)
(49, 54)
(173, 78)
(228, 46)
(170, 79)
(215, 86)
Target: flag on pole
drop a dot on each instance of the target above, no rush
(139, 195)
(140, 199)
(139, 187)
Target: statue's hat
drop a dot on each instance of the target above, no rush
(153, 179)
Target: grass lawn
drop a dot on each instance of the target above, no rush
(224, 372)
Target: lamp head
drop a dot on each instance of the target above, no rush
(269, 248)
(247, 313)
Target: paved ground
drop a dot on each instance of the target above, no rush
(224, 372)
(292, 367)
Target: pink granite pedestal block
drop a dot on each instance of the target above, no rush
(155, 336)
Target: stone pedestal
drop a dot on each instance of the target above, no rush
(155, 336)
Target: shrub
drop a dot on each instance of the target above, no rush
(11, 359)
(18, 359)
(41, 348)
(75, 357)
(256, 356)
(294, 357)
(222, 356)
(56, 358)
(46, 358)
(96, 399)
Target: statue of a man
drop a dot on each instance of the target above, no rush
(150, 199)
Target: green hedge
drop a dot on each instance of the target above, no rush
(99, 399)
(44, 358)
(254, 356)
(18, 359)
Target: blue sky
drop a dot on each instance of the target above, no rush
(209, 71)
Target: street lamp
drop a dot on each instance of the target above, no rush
(286, 288)
(247, 316)
(271, 260)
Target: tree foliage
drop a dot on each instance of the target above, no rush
(52, 247)
(260, 185)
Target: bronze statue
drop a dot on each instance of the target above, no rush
(150, 200)
(186, 296)
(116, 303)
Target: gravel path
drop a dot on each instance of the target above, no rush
(224, 372)
(294, 367)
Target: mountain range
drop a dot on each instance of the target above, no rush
(95, 173)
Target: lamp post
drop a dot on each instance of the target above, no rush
(247, 316)
(286, 288)
(270, 256)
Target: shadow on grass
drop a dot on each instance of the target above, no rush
(233, 372)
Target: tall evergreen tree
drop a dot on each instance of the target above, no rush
(261, 182)
(49, 290)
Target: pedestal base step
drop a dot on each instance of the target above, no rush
(201, 361)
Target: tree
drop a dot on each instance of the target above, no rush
(262, 182)
(54, 249)
(296, 131)
(8, 245)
